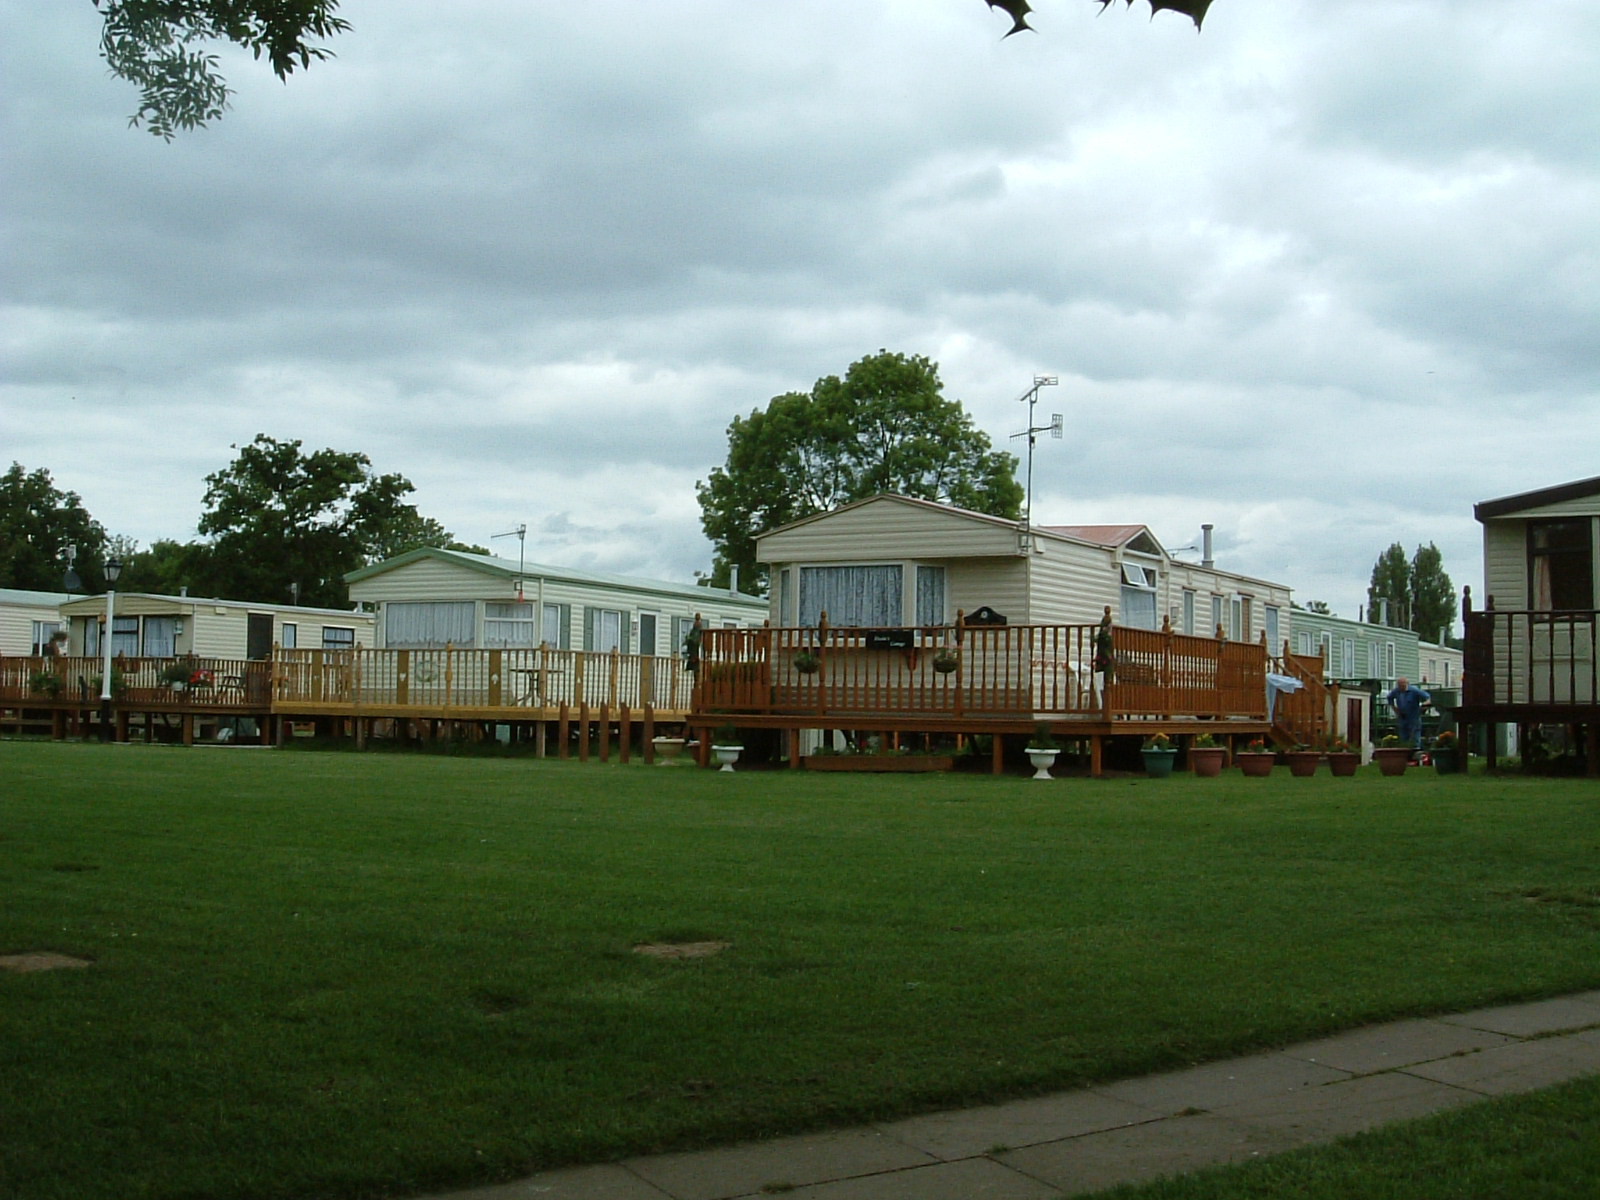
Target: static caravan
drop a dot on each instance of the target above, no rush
(28, 619)
(898, 561)
(1354, 652)
(153, 626)
(1541, 566)
(431, 598)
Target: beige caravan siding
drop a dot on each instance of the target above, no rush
(16, 623)
(1072, 584)
(217, 634)
(1505, 565)
(888, 531)
(1578, 506)
(1000, 583)
(432, 579)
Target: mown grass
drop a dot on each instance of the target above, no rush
(1544, 1146)
(354, 975)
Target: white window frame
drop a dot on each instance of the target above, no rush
(43, 631)
(510, 624)
(338, 637)
(885, 610)
(289, 635)
(650, 647)
(1137, 595)
(1188, 610)
(1271, 615)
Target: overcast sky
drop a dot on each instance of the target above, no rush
(1325, 274)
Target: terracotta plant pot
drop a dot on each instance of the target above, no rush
(1344, 762)
(1257, 765)
(1206, 761)
(1392, 760)
(1303, 763)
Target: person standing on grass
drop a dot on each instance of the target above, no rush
(1408, 703)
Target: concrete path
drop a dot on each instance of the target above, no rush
(1137, 1129)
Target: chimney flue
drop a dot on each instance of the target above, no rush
(1205, 546)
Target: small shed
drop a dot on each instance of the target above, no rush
(431, 597)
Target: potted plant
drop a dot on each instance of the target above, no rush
(667, 750)
(726, 746)
(176, 675)
(1447, 753)
(1256, 758)
(1392, 755)
(1042, 749)
(1343, 758)
(807, 662)
(1206, 756)
(1302, 760)
(45, 683)
(946, 660)
(1158, 753)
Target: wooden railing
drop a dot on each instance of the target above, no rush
(1302, 716)
(1522, 657)
(206, 683)
(1006, 670)
(449, 680)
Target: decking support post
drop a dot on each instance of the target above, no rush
(624, 733)
(361, 733)
(998, 766)
(604, 733)
(540, 733)
(1096, 756)
(563, 731)
(121, 723)
(1591, 748)
(583, 731)
(648, 734)
(792, 737)
(187, 722)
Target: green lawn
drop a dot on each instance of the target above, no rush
(356, 975)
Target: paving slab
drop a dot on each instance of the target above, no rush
(968, 1132)
(1166, 1147)
(1398, 1044)
(970, 1179)
(608, 1182)
(784, 1162)
(1532, 1020)
(1217, 1084)
(1321, 1114)
(1518, 1067)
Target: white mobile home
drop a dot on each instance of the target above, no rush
(432, 598)
(28, 619)
(155, 626)
(898, 561)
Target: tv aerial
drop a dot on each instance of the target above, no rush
(521, 534)
(1031, 398)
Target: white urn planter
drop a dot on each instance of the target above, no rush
(1042, 760)
(727, 755)
(667, 750)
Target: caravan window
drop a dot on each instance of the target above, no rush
(508, 623)
(930, 596)
(1139, 596)
(1560, 565)
(867, 596)
(159, 639)
(414, 625)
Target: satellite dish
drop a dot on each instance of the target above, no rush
(70, 582)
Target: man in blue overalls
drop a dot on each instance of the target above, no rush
(1408, 703)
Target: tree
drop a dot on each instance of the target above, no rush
(884, 427)
(159, 45)
(39, 524)
(288, 525)
(1391, 582)
(1312, 606)
(1433, 596)
(153, 44)
(168, 568)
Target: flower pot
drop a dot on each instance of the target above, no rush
(1447, 760)
(1158, 763)
(667, 750)
(727, 755)
(1206, 761)
(1344, 762)
(1042, 759)
(1392, 760)
(1302, 763)
(1257, 765)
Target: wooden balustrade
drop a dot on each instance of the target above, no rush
(205, 683)
(1524, 657)
(995, 670)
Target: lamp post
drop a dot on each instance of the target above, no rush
(113, 571)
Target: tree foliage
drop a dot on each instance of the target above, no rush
(885, 427)
(161, 47)
(286, 524)
(1420, 596)
(39, 523)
